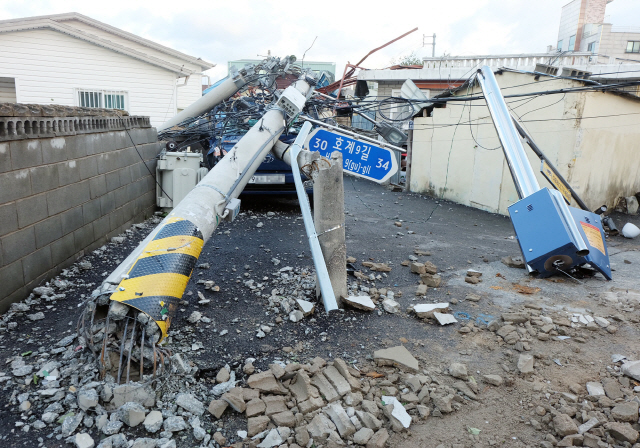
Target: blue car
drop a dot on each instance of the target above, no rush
(273, 176)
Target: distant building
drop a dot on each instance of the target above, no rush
(587, 48)
(74, 60)
(584, 27)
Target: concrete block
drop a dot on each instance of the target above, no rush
(138, 189)
(131, 192)
(151, 165)
(152, 135)
(48, 231)
(11, 278)
(128, 211)
(18, 244)
(68, 173)
(131, 156)
(107, 203)
(38, 281)
(121, 196)
(149, 198)
(7, 300)
(135, 171)
(44, 178)
(88, 142)
(116, 219)
(37, 264)
(88, 167)
(32, 210)
(101, 227)
(64, 198)
(104, 142)
(138, 136)
(72, 220)
(97, 243)
(62, 249)
(121, 140)
(98, 186)
(149, 151)
(14, 185)
(107, 162)
(150, 183)
(8, 218)
(125, 175)
(25, 153)
(113, 180)
(83, 237)
(5, 157)
(54, 149)
(91, 211)
(76, 146)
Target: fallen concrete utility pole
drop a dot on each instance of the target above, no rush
(147, 295)
(226, 89)
(319, 256)
(332, 251)
(553, 237)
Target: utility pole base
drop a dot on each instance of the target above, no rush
(328, 216)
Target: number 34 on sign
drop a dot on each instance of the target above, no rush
(359, 158)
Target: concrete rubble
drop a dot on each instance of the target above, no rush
(300, 402)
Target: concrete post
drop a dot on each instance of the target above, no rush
(407, 176)
(328, 216)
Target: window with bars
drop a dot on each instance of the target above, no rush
(102, 98)
(633, 46)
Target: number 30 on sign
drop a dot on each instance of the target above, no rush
(359, 158)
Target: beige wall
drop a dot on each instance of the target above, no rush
(599, 157)
(614, 45)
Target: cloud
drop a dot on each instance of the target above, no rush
(219, 31)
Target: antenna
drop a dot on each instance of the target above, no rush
(433, 44)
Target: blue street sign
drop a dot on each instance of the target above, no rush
(359, 158)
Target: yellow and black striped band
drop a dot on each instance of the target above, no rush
(157, 280)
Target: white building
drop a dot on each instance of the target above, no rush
(73, 60)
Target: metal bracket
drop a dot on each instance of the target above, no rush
(331, 229)
(226, 198)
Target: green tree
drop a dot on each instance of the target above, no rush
(409, 59)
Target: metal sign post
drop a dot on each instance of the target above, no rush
(360, 158)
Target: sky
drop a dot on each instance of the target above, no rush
(219, 31)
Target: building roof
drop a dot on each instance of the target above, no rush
(63, 23)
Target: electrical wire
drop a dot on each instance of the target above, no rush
(140, 155)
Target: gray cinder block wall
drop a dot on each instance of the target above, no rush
(70, 179)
